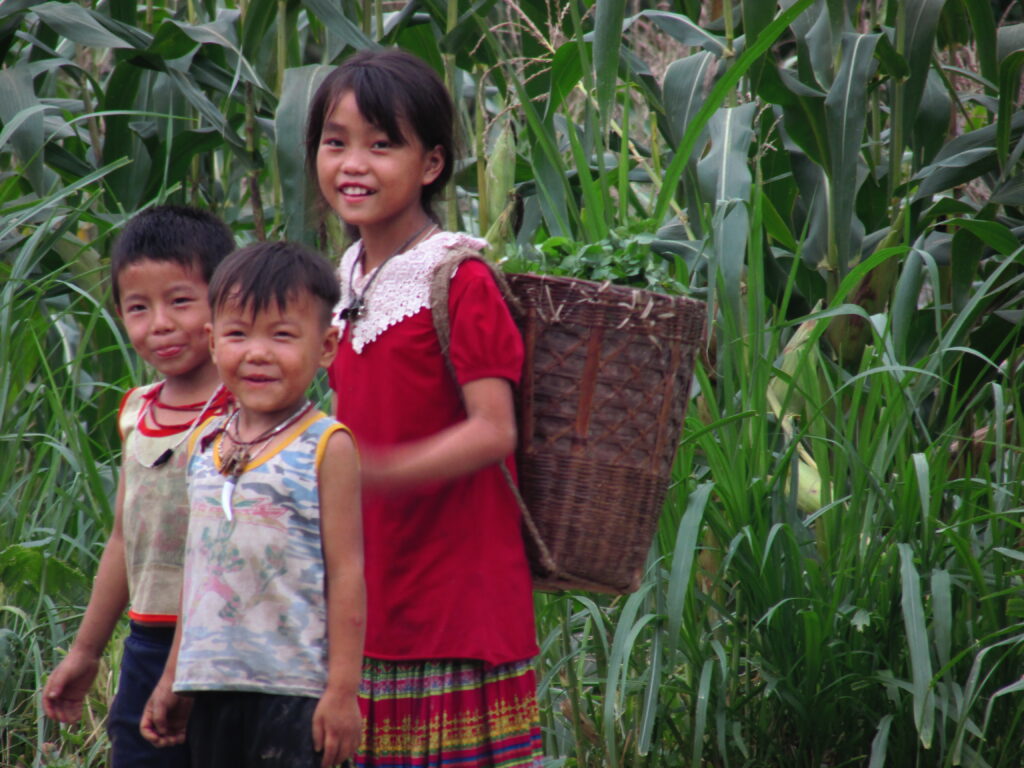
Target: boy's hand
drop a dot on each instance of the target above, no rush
(166, 715)
(337, 728)
(67, 686)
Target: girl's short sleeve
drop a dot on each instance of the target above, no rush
(485, 342)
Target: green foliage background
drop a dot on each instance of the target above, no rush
(836, 580)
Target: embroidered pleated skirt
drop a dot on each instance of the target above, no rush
(429, 714)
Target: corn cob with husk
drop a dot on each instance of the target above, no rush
(799, 360)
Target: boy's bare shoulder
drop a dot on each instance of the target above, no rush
(341, 445)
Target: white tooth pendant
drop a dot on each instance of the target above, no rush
(226, 492)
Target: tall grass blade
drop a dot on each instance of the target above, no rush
(683, 557)
(879, 745)
(626, 632)
(917, 645)
(700, 714)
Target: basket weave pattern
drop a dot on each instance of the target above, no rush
(601, 407)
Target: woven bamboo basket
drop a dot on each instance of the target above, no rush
(600, 408)
(604, 391)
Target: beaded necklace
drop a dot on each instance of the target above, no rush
(147, 410)
(233, 465)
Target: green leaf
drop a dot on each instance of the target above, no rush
(184, 146)
(724, 171)
(11, 7)
(1009, 85)
(950, 171)
(33, 569)
(683, 558)
(942, 614)
(966, 252)
(1009, 191)
(725, 181)
(715, 99)
(931, 125)
(79, 25)
(756, 16)
(845, 113)
(607, 42)
(686, 31)
(20, 107)
(983, 26)
(260, 16)
(684, 90)
(627, 630)
(880, 744)
(566, 71)
(335, 20)
(700, 720)
(300, 83)
(917, 645)
(992, 233)
(208, 110)
(917, 36)
(904, 305)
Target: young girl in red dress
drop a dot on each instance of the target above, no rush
(448, 676)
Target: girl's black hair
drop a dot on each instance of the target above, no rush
(392, 88)
(277, 271)
(192, 237)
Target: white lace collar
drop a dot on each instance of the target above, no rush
(400, 290)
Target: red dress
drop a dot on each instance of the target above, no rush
(446, 571)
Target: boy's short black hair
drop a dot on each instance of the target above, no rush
(192, 237)
(274, 271)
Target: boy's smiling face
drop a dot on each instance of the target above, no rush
(268, 359)
(165, 310)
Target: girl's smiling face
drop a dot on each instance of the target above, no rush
(369, 180)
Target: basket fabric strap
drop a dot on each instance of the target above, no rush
(440, 287)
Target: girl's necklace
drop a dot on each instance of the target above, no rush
(234, 464)
(357, 301)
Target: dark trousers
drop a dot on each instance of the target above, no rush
(234, 729)
(145, 653)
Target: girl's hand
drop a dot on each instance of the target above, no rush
(166, 715)
(337, 727)
(67, 686)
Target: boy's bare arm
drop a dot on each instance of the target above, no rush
(337, 724)
(68, 684)
(165, 715)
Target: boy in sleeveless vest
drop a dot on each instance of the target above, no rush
(161, 266)
(269, 648)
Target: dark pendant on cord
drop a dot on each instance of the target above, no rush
(163, 458)
(353, 311)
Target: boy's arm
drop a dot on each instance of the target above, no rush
(67, 686)
(165, 715)
(337, 724)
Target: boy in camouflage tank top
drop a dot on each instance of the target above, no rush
(269, 649)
